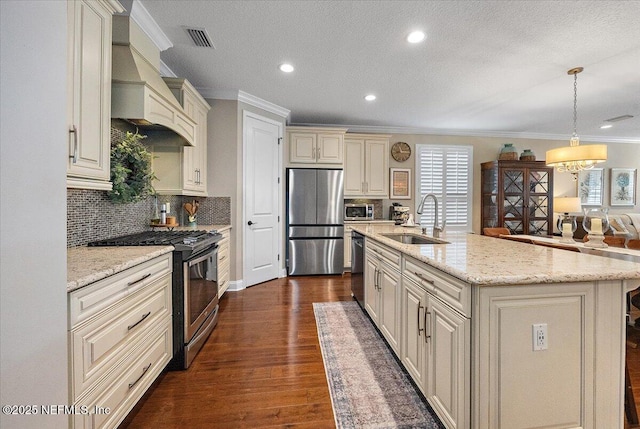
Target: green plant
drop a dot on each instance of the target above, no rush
(131, 172)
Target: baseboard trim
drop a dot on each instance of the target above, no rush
(236, 285)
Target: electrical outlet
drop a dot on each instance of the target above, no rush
(539, 336)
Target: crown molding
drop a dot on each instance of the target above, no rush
(466, 133)
(143, 18)
(165, 70)
(252, 100)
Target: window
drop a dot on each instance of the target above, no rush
(446, 172)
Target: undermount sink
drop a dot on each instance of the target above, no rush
(414, 239)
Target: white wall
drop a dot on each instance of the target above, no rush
(33, 309)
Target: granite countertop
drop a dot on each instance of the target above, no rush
(86, 265)
(488, 261)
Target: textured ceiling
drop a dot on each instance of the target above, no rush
(486, 67)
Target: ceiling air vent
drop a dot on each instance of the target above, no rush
(200, 37)
(619, 118)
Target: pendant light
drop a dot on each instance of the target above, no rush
(574, 158)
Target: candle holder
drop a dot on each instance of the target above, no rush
(596, 223)
(566, 224)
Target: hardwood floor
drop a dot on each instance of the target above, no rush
(262, 365)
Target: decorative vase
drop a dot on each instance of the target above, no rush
(508, 152)
(596, 223)
(527, 155)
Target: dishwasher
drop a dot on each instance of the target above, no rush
(357, 267)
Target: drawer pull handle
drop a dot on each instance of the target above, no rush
(144, 371)
(139, 280)
(130, 327)
(431, 282)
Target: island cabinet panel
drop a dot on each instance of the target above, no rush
(515, 382)
(413, 350)
(382, 290)
(448, 363)
(436, 344)
(469, 340)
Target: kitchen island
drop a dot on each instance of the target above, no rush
(502, 334)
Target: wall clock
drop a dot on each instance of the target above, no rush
(400, 151)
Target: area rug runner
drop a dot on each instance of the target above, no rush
(368, 388)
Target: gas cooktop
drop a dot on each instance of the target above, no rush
(181, 240)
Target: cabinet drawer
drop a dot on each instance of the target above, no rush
(223, 252)
(96, 297)
(453, 291)
(128, 383)
(223, 281)
(383, 252)
(100, 343)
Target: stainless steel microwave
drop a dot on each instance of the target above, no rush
(358, 212)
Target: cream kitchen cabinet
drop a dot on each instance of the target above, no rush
(120, 340)
(382, 290)
(89, 89)
(366, 166)
(224, 263)
(182, 170)
(309, 145)
(437, 336)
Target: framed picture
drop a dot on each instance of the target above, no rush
(623, 187)
(400, 184)
(591, 186)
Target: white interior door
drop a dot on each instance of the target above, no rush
(261, 199)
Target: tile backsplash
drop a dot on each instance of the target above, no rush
(91, 215)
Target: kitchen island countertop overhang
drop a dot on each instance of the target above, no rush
(488, 261)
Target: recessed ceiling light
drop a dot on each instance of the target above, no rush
(287, 68)
(604, 127)
(370, 97)
(416, 37)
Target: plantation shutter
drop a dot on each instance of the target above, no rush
(446, 172)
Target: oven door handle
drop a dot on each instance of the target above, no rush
(203, 257)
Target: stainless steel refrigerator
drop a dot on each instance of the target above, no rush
(315, 221)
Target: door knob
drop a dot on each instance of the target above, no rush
(252, 223)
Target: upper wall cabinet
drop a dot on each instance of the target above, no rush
(182, 170)
(89, 89)
(366, 165)
(316, 145)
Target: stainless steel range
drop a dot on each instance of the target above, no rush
(195, 285)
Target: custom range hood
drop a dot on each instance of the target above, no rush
(139, 95)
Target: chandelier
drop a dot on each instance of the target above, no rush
(574, 158)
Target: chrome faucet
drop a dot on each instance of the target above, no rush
(437, 229)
